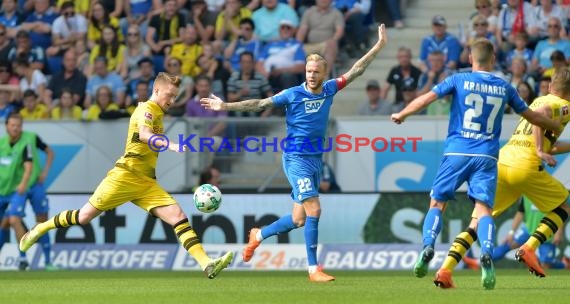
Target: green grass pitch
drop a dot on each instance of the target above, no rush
(351, 287)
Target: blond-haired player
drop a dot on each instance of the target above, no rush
(133, 179)
(521, 172)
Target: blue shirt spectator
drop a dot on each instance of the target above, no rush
(266, 19)
(442, 41)
(39, 22)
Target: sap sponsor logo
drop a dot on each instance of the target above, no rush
(376, 257)
(94, 257)
(313, 106)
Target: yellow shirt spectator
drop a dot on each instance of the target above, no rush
(188, 55)
(39, 112)
(113, 63)
(221, 22)
(94, 33)
(95, 110)
(74, 113)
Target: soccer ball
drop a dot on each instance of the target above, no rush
(207, 198)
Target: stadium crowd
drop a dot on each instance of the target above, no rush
(531, 40)
(95, 59)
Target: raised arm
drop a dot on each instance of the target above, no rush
(360, 66)
(251, 105)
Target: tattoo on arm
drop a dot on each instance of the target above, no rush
(250, 105)
(360, 66)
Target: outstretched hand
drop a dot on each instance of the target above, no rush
(397, 118)
(213, 103)
(382, 36)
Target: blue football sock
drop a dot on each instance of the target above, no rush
(46, 247)
(282, 225)
(500, 251)
(486, 234)
(432, 226)
(557, 265)
(312, 239)
(22, 255)
(4, 235)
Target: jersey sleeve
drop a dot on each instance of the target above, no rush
(145, 116)
(515, 100)
(27, 154)
(340, 83)
(445, 87)
(40, 144)
(282, 98)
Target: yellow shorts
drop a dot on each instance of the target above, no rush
(121, 186)
(539, 186)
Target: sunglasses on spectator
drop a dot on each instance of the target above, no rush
(480, 24)
(553, 26)
(286, 27)
(481, 7)
(246, 28)
(173, 64)
(69, 14)
(132, 34)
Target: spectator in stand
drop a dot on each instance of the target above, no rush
(185, 90)
(31, 79)
(6, 44)
(322, 27)
(147, 75)
(67, 28)
(248, 84)
(102, 77)
(103, 103)
(520, 50)
(437, 73)
(135, 50)
(484, 8)
(518, 73)
(283, 61)
(328, 182)
(114, 7)
(505, 35)
(266, 27)
(66, 109)
(404, 74)
(163, 32)
(356, 34)
(441, 41)
(558, 62)
(210, 175)
(203, 20)
(6, 106)
(10, 18)
(375, 104)
(545, 48)
(99, 19)
(9, 82)
(23, 48)
(110, 48)
(541, 15)
(39, 22)
(33, 109)
(213, 67)
(81, 6)
(139, 95)
(544, 86)
(195, 109)
(70, 77)
(138, 13)
(82, 57)
(526, 92)
(188, 51)
(228, 21)
(481, 27)
(246, 41)
(395, 13)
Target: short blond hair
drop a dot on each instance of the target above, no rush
(560, 82)
(482, 51)
(163, 77)
(317, 58)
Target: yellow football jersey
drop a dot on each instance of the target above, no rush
(520, 150)
(139, 157)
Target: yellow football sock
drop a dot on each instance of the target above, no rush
(458, 248)
(547, 227)
(61, 220)
(191, 243)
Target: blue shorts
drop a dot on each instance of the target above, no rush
(546, 251)
(13, 205)
(303, 174)
(479, 172)
(38, 199)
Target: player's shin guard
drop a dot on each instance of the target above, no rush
(486, 234)
(432, 226)
(46, 247)
(458, 248)
(189, 240)
(4, 235)
(61, 220)
(547, 227)
(312, 239)
(282, 225)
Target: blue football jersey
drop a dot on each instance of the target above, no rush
(307, 116)
(477, 108)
